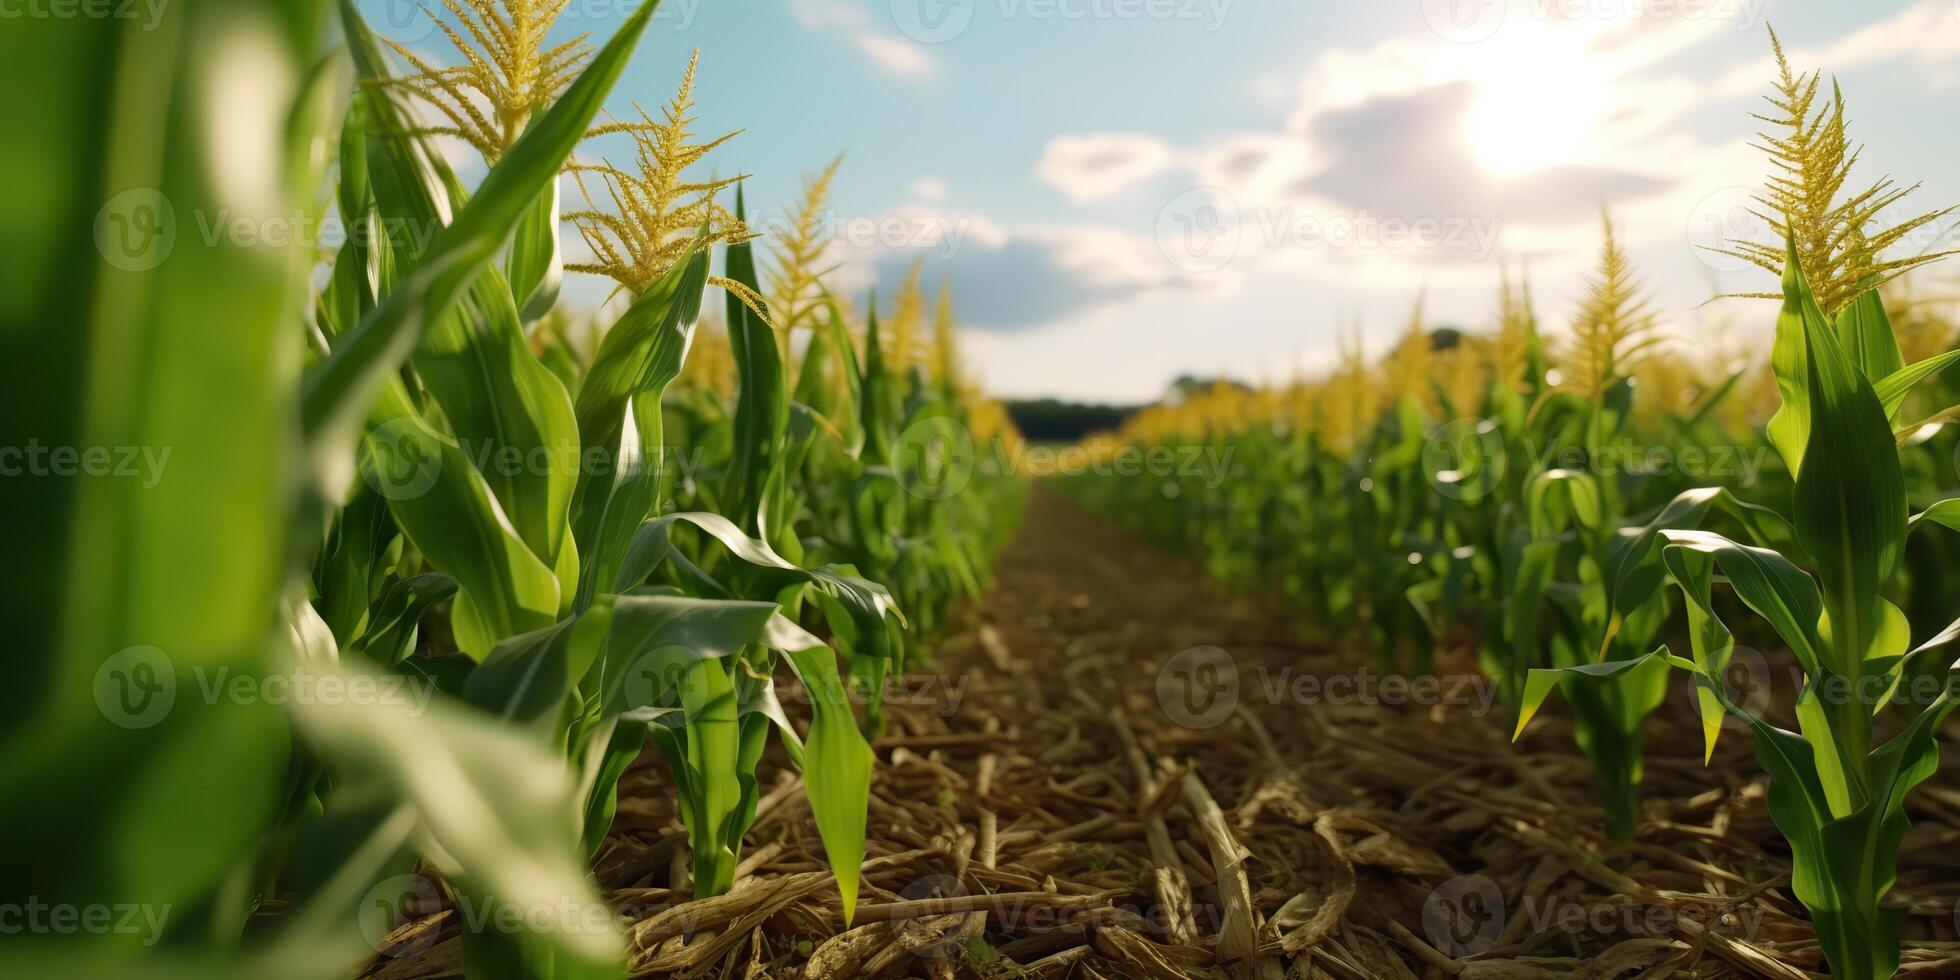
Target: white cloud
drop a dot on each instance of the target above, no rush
(891, 52)
(896, 55)
(1011, 279)
(1098, 166)
(1925, 34)
(929, 188)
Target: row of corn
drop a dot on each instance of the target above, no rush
(1531, 498)
(432, 561)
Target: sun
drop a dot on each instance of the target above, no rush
(1540, 98)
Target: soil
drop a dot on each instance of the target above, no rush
(1115, 771)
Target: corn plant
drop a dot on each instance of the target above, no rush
(573, 633)
(472, 505)
(1838, 786)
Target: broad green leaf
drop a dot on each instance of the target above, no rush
(1850, 503)
(657, 644)
(1789, 428)
(868, 601)
(1866, 333)
(489, 798)
(509, 412)
(1633, 570)
(1531, 574)
(1767, 582)
(1785, 597)
(114, 341)
(527, 677)
(1540, 682)
(836, 759)
(446, 508)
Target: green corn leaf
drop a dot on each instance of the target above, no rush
(1529, 576)
(1633, 569)
(391, 629)
(846, 413)
(190, 560)
(489, 797)
(345, 573)
(817, 377)
(1789, 428)
(1556, 498)
(869, 602)
(1844, 879)
(659, 638)
(1541, 681)
(1790, 602)
(1893, 388)
(1866, 333)
(1943, 512)
(527, 677)
(536, 262)
(762, 409)
(1766, 581)
(879, 397)
(836, 759)
(1850, 504)
(447, 509)
(1935, 657)
(1711, 644)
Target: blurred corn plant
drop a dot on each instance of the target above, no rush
(205, 806)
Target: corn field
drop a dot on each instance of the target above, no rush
(451, 626)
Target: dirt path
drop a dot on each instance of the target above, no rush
(1118, 772)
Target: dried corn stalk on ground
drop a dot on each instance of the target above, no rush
(1044, 808)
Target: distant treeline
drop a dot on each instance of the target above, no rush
(1050, 420)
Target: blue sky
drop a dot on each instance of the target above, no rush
(1127, 190)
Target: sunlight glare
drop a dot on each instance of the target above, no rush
(1539, 99)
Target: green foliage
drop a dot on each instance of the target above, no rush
(394, 475)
